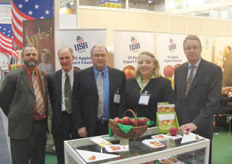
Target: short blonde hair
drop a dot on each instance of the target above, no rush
(156, 71)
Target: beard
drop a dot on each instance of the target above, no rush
(31, 63)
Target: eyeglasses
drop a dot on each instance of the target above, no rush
(194, 48)
(99, 55)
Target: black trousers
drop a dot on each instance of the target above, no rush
(66, 132)
(31, 149)
(101, 127)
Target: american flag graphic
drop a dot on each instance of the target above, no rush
(171, 41)
(133, 40)
(28, 10)
(6, 40)
(80, 39)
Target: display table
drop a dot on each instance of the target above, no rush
(191, 152)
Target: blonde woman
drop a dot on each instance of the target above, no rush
(147, 88)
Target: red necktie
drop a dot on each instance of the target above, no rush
(38, 96)
(189, 81)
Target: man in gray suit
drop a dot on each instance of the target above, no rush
(197, 90)
(23, 99)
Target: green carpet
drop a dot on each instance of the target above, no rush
(222, 146)
(221, 153)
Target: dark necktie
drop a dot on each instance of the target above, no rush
(38, 96)
(67, 94)
(100, 90)
(190, 79)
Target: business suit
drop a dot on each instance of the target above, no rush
(17, 100)
(62, 124)
(160, 90)
(85, 100)
(203, 98)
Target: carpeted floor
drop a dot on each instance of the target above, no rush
(221, 154)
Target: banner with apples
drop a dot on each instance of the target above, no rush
(127, 46)
(81, 41)
(170, 52)
(223, 58)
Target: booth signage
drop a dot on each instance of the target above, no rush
(110, 3)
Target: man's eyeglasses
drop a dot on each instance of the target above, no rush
(194, 48)
(99, 55)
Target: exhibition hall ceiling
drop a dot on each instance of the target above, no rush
(219, 9)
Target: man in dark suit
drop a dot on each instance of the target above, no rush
(23, 99)
(62, 123)
(197, 90)
(97, 95)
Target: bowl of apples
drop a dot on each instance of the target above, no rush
(127, 127)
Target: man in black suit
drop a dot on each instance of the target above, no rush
(23, 99)
(197, 90)
(62, 123)
(93, 105)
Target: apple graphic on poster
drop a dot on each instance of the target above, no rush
(117, 120)
(126, 121)
(177, 65)
(173, 131)
(142, 121)
(129, 71)
(168, 71)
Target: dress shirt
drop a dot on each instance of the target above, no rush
(194, 70)
(106, 85)
(71, 77)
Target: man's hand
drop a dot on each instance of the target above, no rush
(189, 127)
(82, 132)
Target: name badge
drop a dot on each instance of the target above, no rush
(144, 98)
(117, 97)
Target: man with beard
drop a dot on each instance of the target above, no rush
(23, 99)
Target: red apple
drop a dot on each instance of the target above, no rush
(126, 121)
(173, 131)
(117, 120)
(129, 71)
(142, 121)
(168, 71)
(133, 122)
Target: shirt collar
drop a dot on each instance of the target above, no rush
(196, 64)
(139, 81)
(69, 73)
(30, 70)
(105, 70)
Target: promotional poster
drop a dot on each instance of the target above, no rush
(81, 41)
(40, 33)
(170, 53)
(127, 46)
(223, 58)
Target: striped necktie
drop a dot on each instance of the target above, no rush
(190, 79)
(38, 95)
